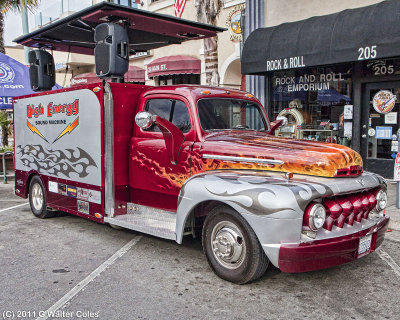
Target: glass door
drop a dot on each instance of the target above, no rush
(380, 127)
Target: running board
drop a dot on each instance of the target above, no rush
(156, 222)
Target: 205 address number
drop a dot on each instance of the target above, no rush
(366, 53)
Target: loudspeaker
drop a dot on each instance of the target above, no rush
(111, 53)
(42, 73)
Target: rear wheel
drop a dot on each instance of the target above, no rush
(231, 246)
(37, 199)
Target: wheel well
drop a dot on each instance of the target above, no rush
(28, 182)
(200, 212)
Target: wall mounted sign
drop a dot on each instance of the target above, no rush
(384, 101)
(391, 118)
(397, 168)
(348, 112)
(348, 129)
(384, 133)
(371, 132)
(395, 146)
(233, 22)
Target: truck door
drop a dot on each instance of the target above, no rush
(154, 180)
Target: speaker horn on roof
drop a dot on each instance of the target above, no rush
(42, 73)
(111, 53)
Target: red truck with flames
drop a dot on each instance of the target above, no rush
(186, 160)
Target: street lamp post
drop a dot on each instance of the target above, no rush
(25, 26)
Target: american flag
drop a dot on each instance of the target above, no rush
(179, 7)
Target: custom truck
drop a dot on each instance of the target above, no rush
(188, 160)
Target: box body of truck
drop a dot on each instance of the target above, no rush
(68, 138)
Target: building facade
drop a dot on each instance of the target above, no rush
(174, 64)
(333, 69)
(186, 63)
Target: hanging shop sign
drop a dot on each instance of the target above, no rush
(384, 101)
(233, 22)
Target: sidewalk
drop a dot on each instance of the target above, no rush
(391, 209)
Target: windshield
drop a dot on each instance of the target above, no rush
(226, 114)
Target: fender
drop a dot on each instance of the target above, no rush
(271, 204)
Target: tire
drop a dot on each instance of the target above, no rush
(37, 199)
(246, 260)
(114, 226)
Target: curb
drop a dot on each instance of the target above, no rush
(394, 225)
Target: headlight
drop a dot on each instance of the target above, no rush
(381, 200)
(315, 216)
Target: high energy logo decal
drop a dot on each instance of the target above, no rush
(71, 109)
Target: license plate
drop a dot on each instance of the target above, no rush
(365, 244)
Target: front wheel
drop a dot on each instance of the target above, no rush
(231, 246)
(37, 199)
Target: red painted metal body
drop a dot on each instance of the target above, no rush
(150, 167)
(58, 201)
(328, 253)
(144, 172)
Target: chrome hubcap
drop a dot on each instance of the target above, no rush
(228, 244)
(37, 196)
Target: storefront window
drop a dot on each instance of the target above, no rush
(178, 79)
(314, 100)
(383, 120)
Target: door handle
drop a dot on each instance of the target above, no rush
(364, 136)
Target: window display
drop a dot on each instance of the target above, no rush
(315, 101)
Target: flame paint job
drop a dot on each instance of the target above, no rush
(155, 180)
(299, 156)
(144, 173)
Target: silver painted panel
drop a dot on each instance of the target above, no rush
(271, 204)
(60, 135)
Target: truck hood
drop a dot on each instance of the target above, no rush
(258, 150)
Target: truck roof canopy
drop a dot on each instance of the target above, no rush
(146, 30)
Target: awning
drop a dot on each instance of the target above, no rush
(371, 32)
(146, 30)
(174, 65)
(134, 74)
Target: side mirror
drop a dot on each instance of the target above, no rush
(173, 137)
(279, 122)
(144, 120)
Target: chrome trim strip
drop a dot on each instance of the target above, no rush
(109, 205)
(241, 159)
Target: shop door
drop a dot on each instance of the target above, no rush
(380, 127)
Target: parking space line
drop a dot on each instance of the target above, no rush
(81, 285)
(389, 260)
(20, 205)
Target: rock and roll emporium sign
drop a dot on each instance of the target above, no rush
(308, 82)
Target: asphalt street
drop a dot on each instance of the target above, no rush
(84, 270)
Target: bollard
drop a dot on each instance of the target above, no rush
(4, 165)
(396, 177)
(398, 194)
